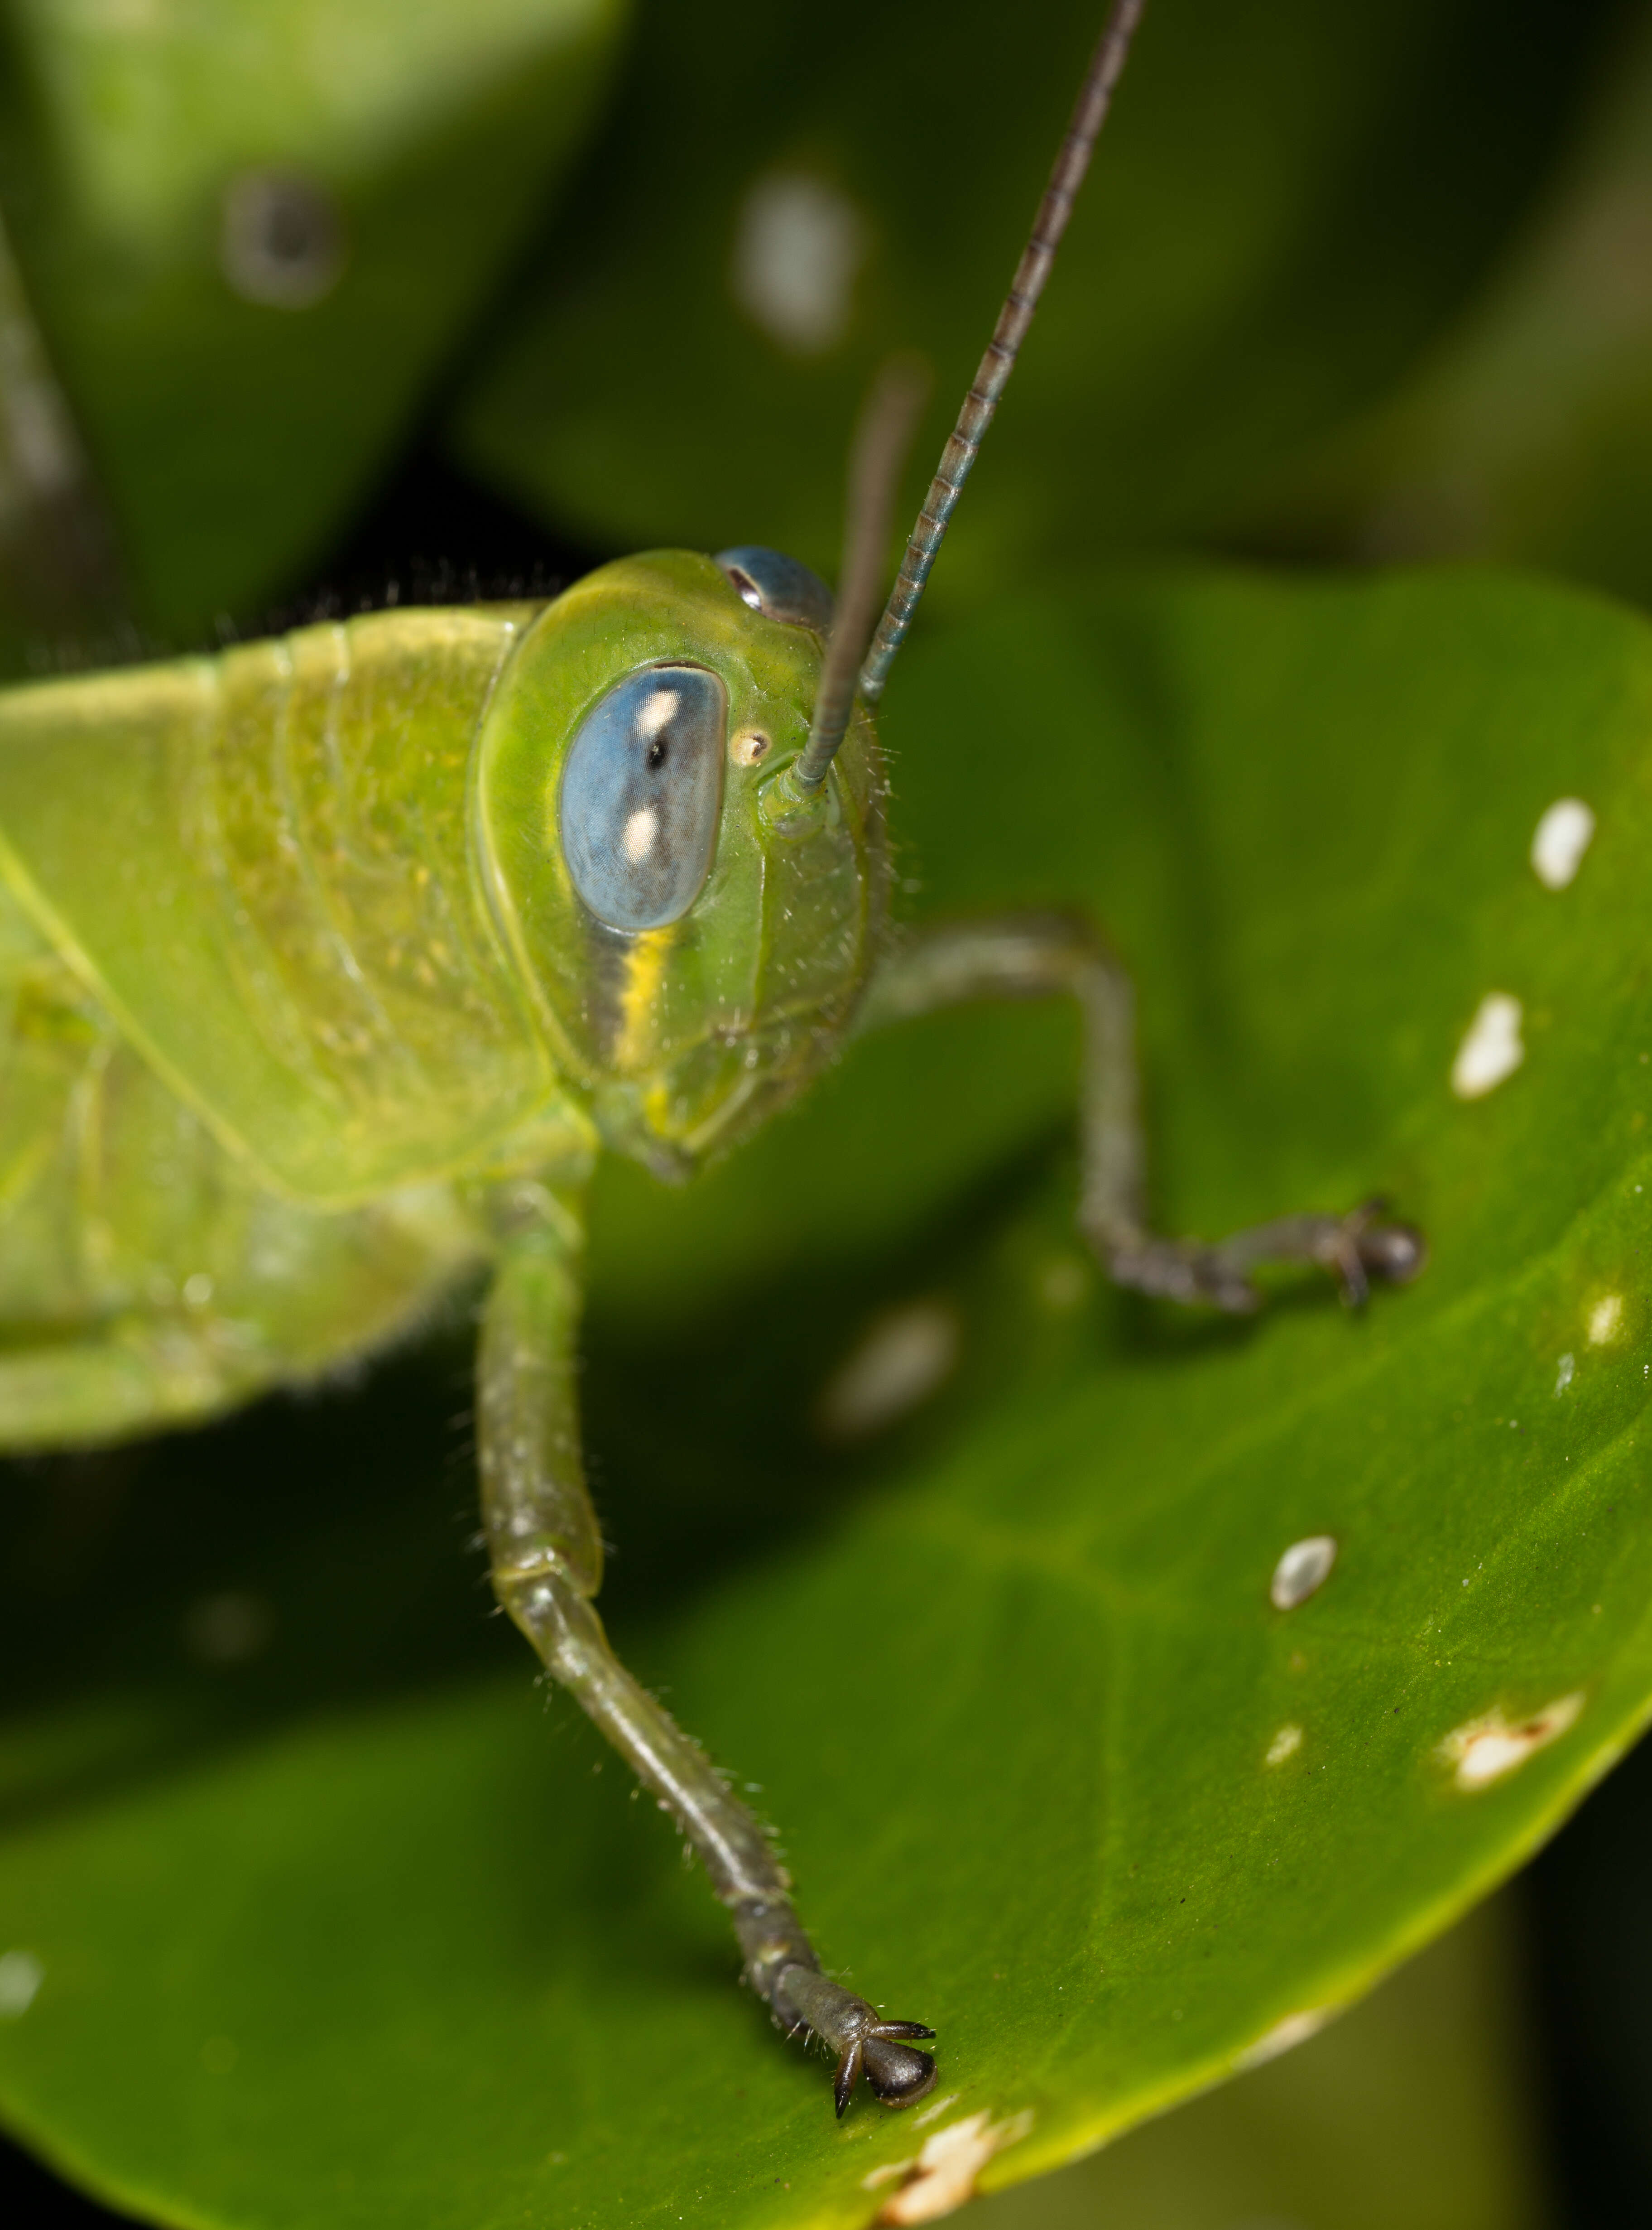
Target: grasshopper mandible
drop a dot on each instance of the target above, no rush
(333, 962)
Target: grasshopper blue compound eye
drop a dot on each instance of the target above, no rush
(640, 795)
(778, 586)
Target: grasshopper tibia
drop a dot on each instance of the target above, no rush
(547, 1560)
(1034, 956)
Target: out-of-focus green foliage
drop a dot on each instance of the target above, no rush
(253, 234)
(1527, 434)
(1593, 1885)
(418, 1960)
(58, 570)
(1288, 199)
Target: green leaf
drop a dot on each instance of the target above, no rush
(356, 1932)
(786, 196)
(240, 401)
(1526, 433)
(1415, 2108)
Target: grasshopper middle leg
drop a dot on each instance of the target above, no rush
(546, 1556)
(1031, 956)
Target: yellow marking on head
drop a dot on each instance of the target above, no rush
(645, 972)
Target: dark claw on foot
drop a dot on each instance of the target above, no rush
(847, 2076)
(882, 2051)
(896, 2075)
(1393, 1252)
(1369, 1248)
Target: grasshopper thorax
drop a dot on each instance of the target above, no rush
(693, 952)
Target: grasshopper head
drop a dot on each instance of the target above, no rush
(694, 937)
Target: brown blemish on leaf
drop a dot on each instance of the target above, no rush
(943, 2175)
(1484, 1749)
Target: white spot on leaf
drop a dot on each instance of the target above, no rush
(1285, 1744)
(1562, 837)
(1302, 1570)
(798, 247)
(903, 1358)
(1492, 1048)
(1284, 2036)
(21, 1976)
(1482, 1751)
(943, 2175)
(1605, 1319)
(637, 841)
(1564, 1373)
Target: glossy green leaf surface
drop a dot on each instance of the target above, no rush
(1416, 2107)
(347, 1928)
(253, 234)
(784, 195)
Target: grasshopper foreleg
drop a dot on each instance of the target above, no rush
(546, 1555)
(1031, 956)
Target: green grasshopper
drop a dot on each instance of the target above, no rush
(333, 962)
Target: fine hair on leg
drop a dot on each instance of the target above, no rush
(546, 1557)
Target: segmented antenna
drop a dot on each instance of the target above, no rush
(888, 420)
(1013, 319)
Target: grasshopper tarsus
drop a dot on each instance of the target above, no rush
(1355, 1248)
(1183, 1270)
(1396, 1253)
(882, 2051)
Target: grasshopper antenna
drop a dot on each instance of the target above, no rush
(1089, 115)
(885, 428)
(888, 420)
(1095, 97)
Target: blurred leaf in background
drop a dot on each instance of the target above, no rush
(1591, 1894)
(253, 234)
(59, 571)
(1288, 201)
(1527, 434)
